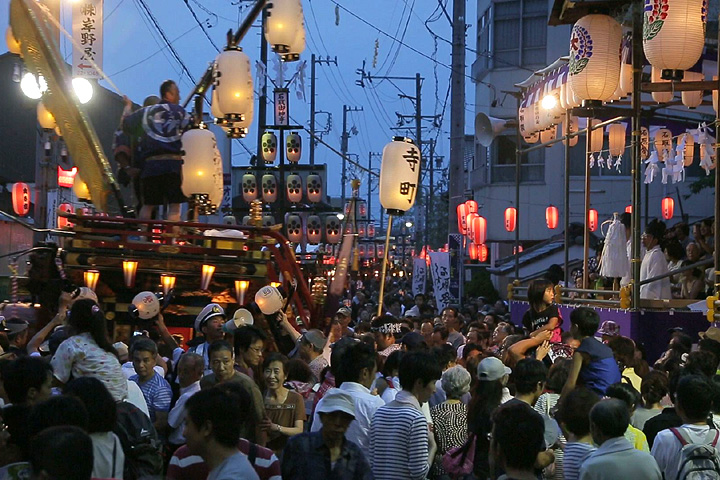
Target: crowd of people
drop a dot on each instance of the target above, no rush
(410, 394)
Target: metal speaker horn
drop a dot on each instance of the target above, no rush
(487, 128)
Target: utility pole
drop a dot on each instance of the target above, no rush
(344, 146)
(431, 192)
(457, 115)
(262, 101)
(313, 141)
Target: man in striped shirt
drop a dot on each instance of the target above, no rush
(401, 444)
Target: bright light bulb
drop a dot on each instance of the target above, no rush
(31, 87)
(83, 89)
(341, 216)
(408, 224)
(549, 102)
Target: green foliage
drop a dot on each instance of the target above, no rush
(481, 286)
(708, 181)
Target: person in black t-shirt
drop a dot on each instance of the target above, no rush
(543, 313)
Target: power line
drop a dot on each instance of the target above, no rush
(161, 49)
(192, 12)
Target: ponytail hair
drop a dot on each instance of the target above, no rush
(86, 316)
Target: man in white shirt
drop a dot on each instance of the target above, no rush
(357, 371)
(190, 371)
(693, 404)
(654, 264)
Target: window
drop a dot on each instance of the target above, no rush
(502, 151)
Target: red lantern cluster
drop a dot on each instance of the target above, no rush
(668, 208)
(473, 251)
(551, 217)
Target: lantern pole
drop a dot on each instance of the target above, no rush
(636, 172)
(716, 254)
(586, 236)
(518, 159)
(567, 197)
(384, 266)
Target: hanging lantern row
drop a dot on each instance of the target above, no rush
(478, 252)
(293, 188)
(311, 230)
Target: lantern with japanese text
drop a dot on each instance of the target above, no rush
(269, 147)
(269, 188)
(282, 24)
(592, 219)
(81, 190)
(616, 139)
(62, 221)
(694, 98)
(551, 217)
(482, 252)
(234, 85)
(674, 33)
(668, 207)
(21, 198)
(371, 230)
(45, 118)
(479, 229)
(66, 178)
(472, 206)
(473, 251)
(549, 135)
(574, 121)
(370, 251)
(462, 211)
(313, 182)
(294, 188)
(249, 187)
(688, 142)
(399, 174)
(510, 219)
(656, 77)
(294, 227)
(644, 143)
(332, 229)
(202, 165)
(470, 225)
(598, 137)
(594, 67)
(293, 147)
(314, 229)
(663, 144)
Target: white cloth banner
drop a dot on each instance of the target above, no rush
(87, 32)
(440, 269)
(419, 274)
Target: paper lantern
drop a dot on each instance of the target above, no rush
(548, 135)
(616, 139)
(21, 198)
(626, 79)
(234, 85)
(91, 278)
(663, 144)
(598, 137)
(688, 149)
(314, 187)
(62, 221)
(167, 281)
(482, 252)
(644, 143)
(298, 44)
(371, 230)
(12, 43)
(510, 219)
(282, 24)
(332, 229)
(293, 186)
(571, 99)
(361, 250)
(362, 230)
(370, 251)
(592, 219)
(202, 164)
(473, 251)
(268, 220)
(269, 188)
(206, 275)
(66, 178)
(470, 225)
(551, 217)
(269, 147)
(399, 175)
(531, 137)
(293, 145)
(692, 99)
(81, 190)
(462, 212)
(241, 288)
(656, 77)
(668, 207)
(215, 111)
(249, 187)
(674, 33)
(45, 118)
(594, 67)
(573, 129)
(294, 227)
(380, 250)
(628, 209)
(129, 271)
(362, 211)
(269, 300)
(479, 229)
(314, 229)
(472, 206)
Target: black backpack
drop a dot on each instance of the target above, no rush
(140, 443)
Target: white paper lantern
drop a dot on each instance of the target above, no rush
(597, 138)
(370, 251)
(314, 187)
(574, 121)
(294, 188)
(293, 145)
(269, 147)
(314, 229)
(234, 85)
(663, 144)
(269, 188)
(626, 79)
(531, 137)
(249, 187)
(616, 139)
(200, 164)
(693, 99)
(674, 33)
(548, 135)
(380, 250)
(361, 250)
(689, 149)
(571, 100)
(362, 230)
(371, 230)
(268, 220)
(283, 21)
(45, 118)
(294, 228)
(660, 97)
(399, 174)
(332, 229)
(594, 68)
(298, 44)
(563, 96)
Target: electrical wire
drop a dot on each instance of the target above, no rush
(154, 53)
(197, 20)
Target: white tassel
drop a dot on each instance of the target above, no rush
(651, 169)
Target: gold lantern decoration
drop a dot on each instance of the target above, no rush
(293, 146)
(129, 271)
(313, 183)
(269, 188)
(294, 188)
(249, 187)
(269, 147)
(294, 227)
(399, 174)
(314, 229)
(206, 275)
(167, 280)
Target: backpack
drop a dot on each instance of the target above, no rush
(698, 461)
(140, 443)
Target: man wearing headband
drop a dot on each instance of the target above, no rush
(654, 263)
(385, 328)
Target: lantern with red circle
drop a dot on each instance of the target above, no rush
(62, 221)
(668, 208)
(371, 230)
(551, 217)
(592, 219)
(479, 230)
(362, 230)
(482, 254)
(473, 251)
(21, 198)
(510, 219)
(462, 211)
(472, 206)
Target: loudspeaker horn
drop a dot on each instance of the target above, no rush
(487, 128)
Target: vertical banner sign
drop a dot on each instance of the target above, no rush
(440, 269)
(87, 32)
(455, 245)
(282, 112)
(419, 273)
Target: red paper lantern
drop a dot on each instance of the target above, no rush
(21, 198)
(473, 251)
(510, 219)
(668, 208)
(482, 253)
(592, 219)
(628, 209)
(472, 206)
(469, 222)
(551, 217)
(462, 211)
(63, 222)
(479, 230)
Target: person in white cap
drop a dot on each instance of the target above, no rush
(327, 453)
(17, 335)
(210, 323)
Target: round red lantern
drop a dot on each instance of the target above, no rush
(551, 217)
(479, 229)
(668, 208)
(592, 219)
(510, 219)
(469, 222)
(628, 209)
(482, 254)
(473, 251)
(462, 211)
(21, 198)
(472, 206)
(63, 222)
